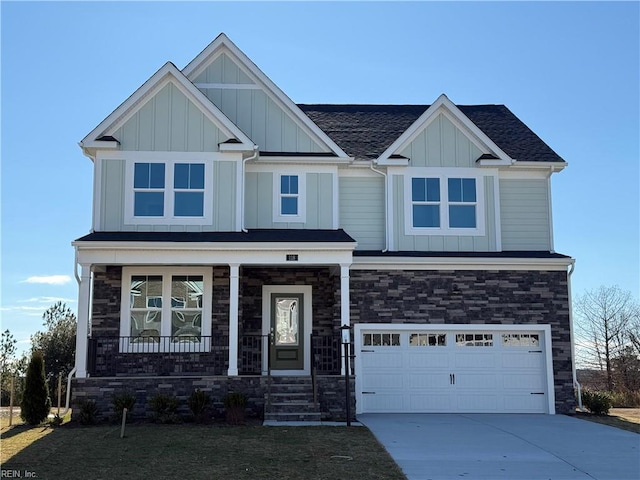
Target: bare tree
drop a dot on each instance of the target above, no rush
(606, 328)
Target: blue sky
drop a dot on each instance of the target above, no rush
(569, 70)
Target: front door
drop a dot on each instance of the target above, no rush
(287, 328)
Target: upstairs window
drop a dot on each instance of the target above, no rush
(148, 185)
(462, 202)
(441, 204)
(167, 188)
(425, 196)
(188, 187)
(289, 195)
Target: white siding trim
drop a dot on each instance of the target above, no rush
(498, 213)
(97, 192)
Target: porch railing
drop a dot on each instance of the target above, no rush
(141, 356)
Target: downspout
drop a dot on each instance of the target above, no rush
(242, 182)
(386, 208)
(576, 385)
(67, 405)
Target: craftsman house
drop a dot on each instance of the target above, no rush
(235, 232)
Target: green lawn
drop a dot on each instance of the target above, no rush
(192, 451)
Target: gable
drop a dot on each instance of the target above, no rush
(488, 149)
(442, 144)
(169, 121)
(175, 101)
(254, 103)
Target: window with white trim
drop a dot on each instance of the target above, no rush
(444, 203)
(289, 190)
(169, 192)
(289, 195)
(166, 309)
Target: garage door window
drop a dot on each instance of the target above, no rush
(520, 339)
(428, 340)
(474, 339)
(381, 339)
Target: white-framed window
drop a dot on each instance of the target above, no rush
(166, 309)
(175, 190)
(444, 202)
(289, 199)
(381, 339)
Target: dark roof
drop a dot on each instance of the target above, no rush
(366, 131)
(513, 254)
(252, 236)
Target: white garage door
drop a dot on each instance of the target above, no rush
(466, 370)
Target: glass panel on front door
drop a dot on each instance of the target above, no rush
(286, 312)
(287, 329)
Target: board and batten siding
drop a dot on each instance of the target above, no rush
(259, 198)
(524, 206)
(444, 243)
(442, 144)
(169, 122)
(362, 211)
(252, 110)
(112, 200)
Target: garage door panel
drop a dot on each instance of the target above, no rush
(430, 403)
(381, 403)
(534, 361)
(382, 359)
(474, 360)
(418, 358)
(475, 402)
(427, 380)
(383, 381)
(523, 381)
(476, 381)
(524, 403)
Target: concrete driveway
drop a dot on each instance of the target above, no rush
(510, 447)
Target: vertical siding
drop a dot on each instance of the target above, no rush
(524, 206)
(268, 125)
(259, 198)
(442, 144)
(362, 211)
(443, 243)
(112, 195)
(224, 195)
(223, 70)
(169, 121)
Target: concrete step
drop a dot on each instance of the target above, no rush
(293, 416)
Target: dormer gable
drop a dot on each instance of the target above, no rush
(426, 141)
(248, 97)
(165, 97)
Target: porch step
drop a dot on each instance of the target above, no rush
(290, 399)
(293, 417)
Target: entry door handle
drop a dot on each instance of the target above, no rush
(451, 379)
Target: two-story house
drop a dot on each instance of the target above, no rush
(235, 232)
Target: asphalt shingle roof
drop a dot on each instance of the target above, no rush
(366, 131)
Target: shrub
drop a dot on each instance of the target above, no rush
(165, 408)
(234, 404)
(88, 412)
(36, 404)
(598, 403)
(625, 399)
(199, 404)
(121, 401)
(56, 421)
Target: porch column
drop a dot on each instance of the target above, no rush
(345, 318)
(234, 291)
(82, 332)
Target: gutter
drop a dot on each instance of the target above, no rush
(576, 385)
(386, 207)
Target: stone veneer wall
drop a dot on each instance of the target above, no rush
(472, 297)
(332, 398)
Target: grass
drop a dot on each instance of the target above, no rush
(623, 418)
(196, 451)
